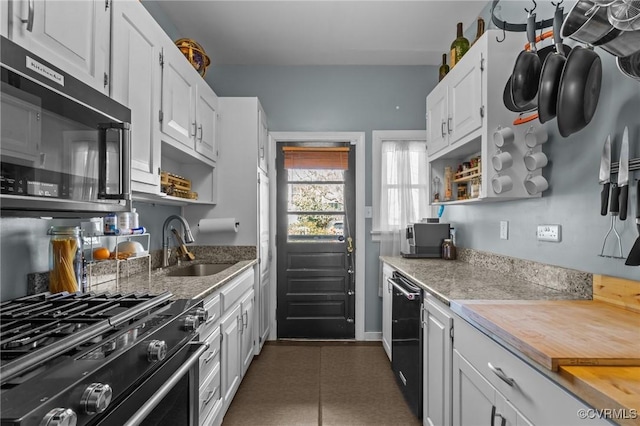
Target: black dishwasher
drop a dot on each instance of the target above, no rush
(406, 340)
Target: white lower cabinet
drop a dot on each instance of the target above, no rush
(437, 341)
(491, 383)
(248, 330)
(231, 349)
(387, 272)
(230, 332)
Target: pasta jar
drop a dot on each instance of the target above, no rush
(65, 259)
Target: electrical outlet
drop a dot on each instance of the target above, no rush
(504, 230)
(549, 233)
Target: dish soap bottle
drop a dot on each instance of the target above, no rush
(444, 68)
(459, 47)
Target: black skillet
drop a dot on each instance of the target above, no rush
(579, 90)
(551, 72)
(526, 71)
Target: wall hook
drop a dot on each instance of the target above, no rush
(504, 36)
(535, 5)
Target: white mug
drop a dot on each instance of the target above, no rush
(536, 184)
(501, 184)
(503, 136)
(535, 136)
(535, 160)
(502, 161)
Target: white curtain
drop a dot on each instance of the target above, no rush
(403, 192)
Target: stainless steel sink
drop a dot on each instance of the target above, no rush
(200, 270)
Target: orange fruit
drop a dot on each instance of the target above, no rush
(101, 253)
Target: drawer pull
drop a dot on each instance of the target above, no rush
(211, 393)
(211, 319)
(498, 372)
(210, 357)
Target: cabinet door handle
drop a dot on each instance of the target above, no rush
(29, 20)
(194, 128)
(443, 131)
(503, 420)
(498, 372)
(200, 130)
(245, 319)
(449, 125)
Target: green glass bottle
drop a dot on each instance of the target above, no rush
(459, 46)
(444, 68)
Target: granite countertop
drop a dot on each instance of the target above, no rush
(449, 280)
(183, 287)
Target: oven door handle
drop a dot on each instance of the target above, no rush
(408, 295)
(155, 399)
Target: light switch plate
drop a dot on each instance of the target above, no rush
(368, 212)
(550, 233)
(504, 230)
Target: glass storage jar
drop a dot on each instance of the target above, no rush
(65, 259)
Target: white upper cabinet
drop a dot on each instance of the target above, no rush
(72, 35)
(263, 140)
(206, 122)
(178, 99)
(464, 111)
(454, 107)
(189, 107)
(136, 82)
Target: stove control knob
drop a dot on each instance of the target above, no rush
(96, 398)
(157, 350)
(202, 314)
(191, 322)
(60, 417)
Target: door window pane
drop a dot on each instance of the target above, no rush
(315, 228)
(316, 197)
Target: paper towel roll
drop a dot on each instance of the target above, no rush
(225, 224)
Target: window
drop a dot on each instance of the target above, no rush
(400, 181)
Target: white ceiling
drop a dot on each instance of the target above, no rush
(308, 32)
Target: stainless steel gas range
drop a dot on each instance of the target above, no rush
(99, 359)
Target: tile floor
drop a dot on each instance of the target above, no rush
(319, 383)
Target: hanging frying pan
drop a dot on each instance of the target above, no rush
(507, 97)
(526, 71)
(579, 90)
(551, 72)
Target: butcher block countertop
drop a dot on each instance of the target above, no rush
(590, 347)
(560, 332)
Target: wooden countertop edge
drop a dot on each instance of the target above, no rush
(583, 382)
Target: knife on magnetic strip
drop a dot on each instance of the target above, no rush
(623, 174)
(605, 175)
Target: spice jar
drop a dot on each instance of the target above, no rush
(448, 249)
(65, 259)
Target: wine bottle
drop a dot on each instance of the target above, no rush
(444, 68)
(480, 30)
(459, 46)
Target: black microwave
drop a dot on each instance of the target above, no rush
(65, 148)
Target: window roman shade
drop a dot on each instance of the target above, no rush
(298, 157)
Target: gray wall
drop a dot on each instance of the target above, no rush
(337, 98)
(573, 198)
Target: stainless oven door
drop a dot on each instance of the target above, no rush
(167, 397)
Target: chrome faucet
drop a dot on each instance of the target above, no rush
(188, 237)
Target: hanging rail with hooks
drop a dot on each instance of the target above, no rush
(508, 26)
